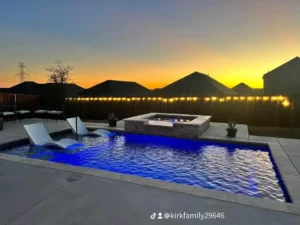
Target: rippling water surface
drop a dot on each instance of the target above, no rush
(234, 168)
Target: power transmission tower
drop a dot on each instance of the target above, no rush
(22, 75)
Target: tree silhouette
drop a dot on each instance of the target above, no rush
(59, 74)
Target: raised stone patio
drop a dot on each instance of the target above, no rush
(142, 124)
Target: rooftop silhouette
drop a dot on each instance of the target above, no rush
(195, 84)
(290, 67)
(244, 89)
(116, 88)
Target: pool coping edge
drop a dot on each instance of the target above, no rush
(268, 204)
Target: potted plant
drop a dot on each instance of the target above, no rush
(231, 130)
(112, 119)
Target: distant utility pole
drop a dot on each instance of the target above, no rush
(22, 75)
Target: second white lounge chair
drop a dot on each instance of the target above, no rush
(39, 136)
(82, 130)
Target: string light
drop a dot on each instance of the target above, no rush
(286, 103)
(274, 98)
(266, 98)
(282, 99)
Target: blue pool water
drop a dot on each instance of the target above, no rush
(235, 168)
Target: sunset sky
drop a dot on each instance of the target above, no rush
(152, 42)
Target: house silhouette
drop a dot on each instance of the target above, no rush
(283, 80)
(195, 84)
(244, 89)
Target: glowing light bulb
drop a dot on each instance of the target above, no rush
(266, 98)
(286, 103)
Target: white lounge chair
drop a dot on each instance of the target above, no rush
(9, 115)
(82, 130)
(41, 111)
(23, 114)
(23, 111)
(38, 135)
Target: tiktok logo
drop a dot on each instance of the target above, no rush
(152, 217)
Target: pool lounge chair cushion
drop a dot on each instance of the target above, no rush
(38, 135)
(23, 111)
(82, 130)
(8, 113)
(41, 111)
(54, 112)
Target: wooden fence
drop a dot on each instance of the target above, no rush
(14, 102)
(253, 110)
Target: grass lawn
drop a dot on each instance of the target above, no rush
(283, 132)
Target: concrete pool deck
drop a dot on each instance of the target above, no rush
(93, 197)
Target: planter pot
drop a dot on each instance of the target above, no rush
(112, 123)
(231, 132)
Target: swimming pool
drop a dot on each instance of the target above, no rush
(235, 168)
